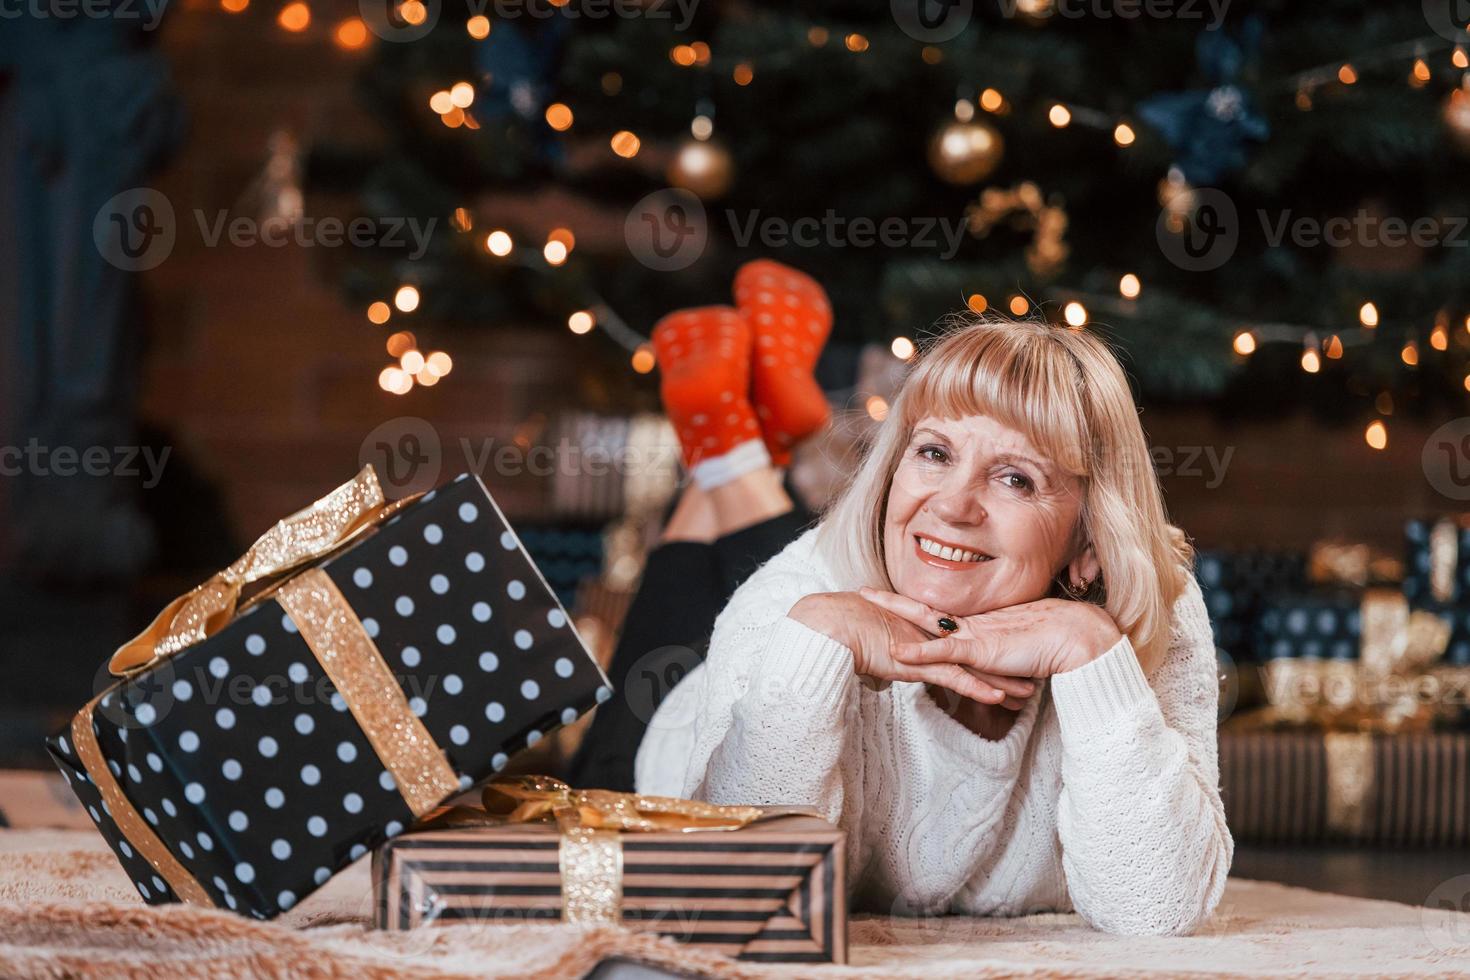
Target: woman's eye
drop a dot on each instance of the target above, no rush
(933, 453)
(1018, 481)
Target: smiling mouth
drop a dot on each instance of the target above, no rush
(944, 555)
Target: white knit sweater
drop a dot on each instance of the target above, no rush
(1103, 798)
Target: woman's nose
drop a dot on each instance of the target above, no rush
(958, 505)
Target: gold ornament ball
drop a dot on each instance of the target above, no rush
(703, 167)
(966, 152)
(1456, 115)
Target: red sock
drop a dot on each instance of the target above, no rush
(790, 319)
(704, 362)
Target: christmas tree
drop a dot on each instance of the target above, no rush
(1262, 204)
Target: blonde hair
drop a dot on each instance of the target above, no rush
(1066, 392)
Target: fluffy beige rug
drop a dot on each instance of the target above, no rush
(66, 910)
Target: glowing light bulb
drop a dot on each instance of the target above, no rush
(581, 322)
(294, 17)
(441, 102)
(555, 253)
(478, 27)
(1019, 305)
(499, 243)
(1376, 435)
(406, 299)
(1123, 135)
(991, 100)
(977, 302)
(643, 359)
(411, 361)
(1059, 116)
(462, 94)
(625, 144)
(1311, 360)
(351, 34)
(1245, 343)
(559, 116)
(1075, 314)
(1368, 315)
(439, 364)
(1129, 286)
(902, 347)
(877, 408)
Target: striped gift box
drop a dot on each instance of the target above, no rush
(772, 891)
(1287, 787)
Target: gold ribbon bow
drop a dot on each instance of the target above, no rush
(591, 822)
(305, 536)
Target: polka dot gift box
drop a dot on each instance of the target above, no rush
(393, 656)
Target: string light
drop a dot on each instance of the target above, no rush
(931, 54)
(743, 74)
(379, 313)
(411, 361)
(400, 343)
(555, 253)
(563, 235)
(816, 36)
(581, 322)
(439, 364)
(964, 110)
(902, 347)
(1459, 60)
(454, 118)
(877, 408)
(991, 100)
(701, 127)
(427, 378)
(1123, 135)
(1075, 314)
(1059, 116)
(463, 220)
(1376, 435)
(682, 55)
(1129, 286)
(643, 360)
(1368, 315)
(1467, 382)
(978, 303)
(1019, 305)
(406, 299)
(441, 102)
(701, 53)
(856, 43)
(1383, 403)
(462, 94)
(625, 144)
(294, 17)
(1421, 74)
(393, 380)
(1245, 343)
(1311, 360)
(234, 6)
(559, 116)
(413, 13)
(499, 243)
(1347, 75)
(478, 27)
(1439, 337)
(1334, 347)
(1409, 354)
(612, 83)
(351, 34)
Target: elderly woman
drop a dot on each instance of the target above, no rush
(988, 662)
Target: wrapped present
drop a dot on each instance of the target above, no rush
(391, 656)
(1358, 787)
(1354, 662)
(1235, 585)
(1437, 569)
(755, 883)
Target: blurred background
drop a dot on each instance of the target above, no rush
(247, 246)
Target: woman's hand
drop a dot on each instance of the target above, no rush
(1030, 639)
(873, 633)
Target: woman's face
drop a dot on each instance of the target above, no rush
(976, 485)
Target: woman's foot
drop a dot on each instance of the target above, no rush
(790, 319)
(704, 358)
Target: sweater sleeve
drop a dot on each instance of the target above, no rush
(764, 719)
(1144, 844)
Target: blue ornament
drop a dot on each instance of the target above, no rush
(1210, 129)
